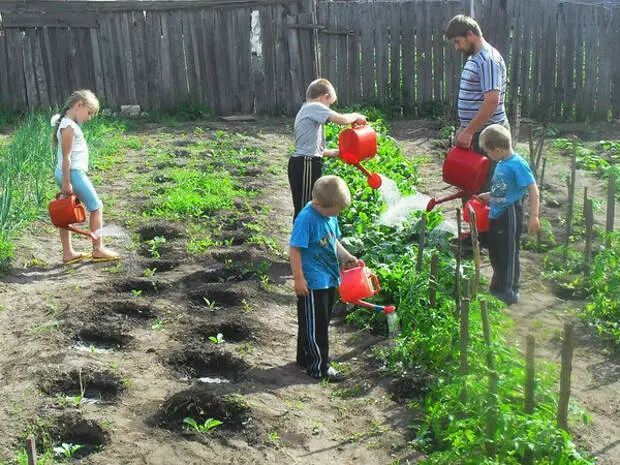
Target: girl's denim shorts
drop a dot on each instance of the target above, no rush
(82, 187)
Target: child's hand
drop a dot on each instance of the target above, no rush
(360, 119)
(533, 226)
(350, 262)
(301, 286)
(67, 188)
(484, 198)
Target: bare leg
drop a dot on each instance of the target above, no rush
(67, 248)
(96, 226)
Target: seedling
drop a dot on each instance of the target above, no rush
(210, 304)
(246, 307)
(114, 269)
(219, 339)
(264, 281)
(136, 292)
(207, 426)
(67, 450)
(92, 348)
(150, 272)
(155, 244)
(158, 325)
(275, 440)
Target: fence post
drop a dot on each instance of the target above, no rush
(611, 205)
(418, 265)
(31, 450)
(588, 213)
(457, 272)
(571, 197)
(540, 197)
(530, 385)
(568, 345)
(492, 396)
(473, 230)
(432, 292)
(464, 328)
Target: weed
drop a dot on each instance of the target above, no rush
(207, 426)
(150, 272)
(219, 339)
(67, 450)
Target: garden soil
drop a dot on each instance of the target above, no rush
(102, 356)
(596, 369)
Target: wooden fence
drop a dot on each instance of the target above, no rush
(239, 56)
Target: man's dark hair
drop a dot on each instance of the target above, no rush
(460, 25)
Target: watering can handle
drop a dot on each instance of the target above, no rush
(376, 283)
(358, 125)
(360, 264)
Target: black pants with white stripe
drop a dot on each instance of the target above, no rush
(314, 311)
(504, 237)
(302, 174)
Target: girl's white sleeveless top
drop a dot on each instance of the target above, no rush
(79, 148)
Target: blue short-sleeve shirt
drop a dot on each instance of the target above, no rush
(315, 235)
(509, 184)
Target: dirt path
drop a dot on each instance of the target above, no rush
(596, 372)
(136, 346)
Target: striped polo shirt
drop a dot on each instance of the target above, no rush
(483, 71)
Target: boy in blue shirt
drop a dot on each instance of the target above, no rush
(511, 180)
(316, 254)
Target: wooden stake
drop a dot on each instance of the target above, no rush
(530, 138)
(568, 345)
(517, 118)
(473, 229)
(464, 328)
(540, 198)
(418, 266)
(529, 389)
(588, 216)
(457, 271)
(611, 204)
(541, 143)
(571, 197)
(432, 285)
(31, 450)
(492, 396)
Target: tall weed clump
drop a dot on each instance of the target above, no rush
(456, 405)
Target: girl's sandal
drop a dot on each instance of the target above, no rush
(105, 259)
(77, 259)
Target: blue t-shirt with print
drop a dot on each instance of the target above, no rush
(509, 184)
(315, 235)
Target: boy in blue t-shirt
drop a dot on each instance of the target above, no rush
(316, 255)
(511, 180)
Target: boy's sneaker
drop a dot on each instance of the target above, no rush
(334, 376)
(507, 299)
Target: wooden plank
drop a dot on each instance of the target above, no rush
(40, 69)
(551, 59)
(423, 56)
(382, 51)
(221, 54)
(526, 62)
(307, 51)
(152, 54)
(536, 63)
(177, 45)
(46, 19)
(569, 90)
(16, 69)
(332, 47)
(395, 55)
(5, 90)
(297, 91)
(615, 102)
(168, 91)
(97, 64)
(587, 15)
(603, 99)
(208, 57)
(244, 22)
(192, 55)
(353, 54)
(233, 61)
(50, 68)
(368, 52)
(107, 62)
(137, 28)
(437, 28)
(408, 52)
(32, 94)
(579, 73)
(269, 58)
(341, 10)
(62, 61)
(120, 59)
(85, 57)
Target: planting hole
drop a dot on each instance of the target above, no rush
(73, 430)
(223, 296)
(231, 331)
(84, 385)
(161, 229)
(140, 286)
(101, 337)
(129, 309)
(196, 362)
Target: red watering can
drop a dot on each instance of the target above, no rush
(359, 283)
(67, 210)
(464, 169)
(359, 143)
(482, 213)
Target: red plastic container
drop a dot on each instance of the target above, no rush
(357, 143)
(465, 169)
(66, 210)
(357, 283)
(482, 214)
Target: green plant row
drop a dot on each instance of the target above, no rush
(456, 406)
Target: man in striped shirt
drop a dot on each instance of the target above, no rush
(483, 84)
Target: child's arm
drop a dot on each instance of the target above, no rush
(344, 256)
(66, 144)
(331, 152)
(347, 118)
(483, 197)
(534, 223)
(301, 286)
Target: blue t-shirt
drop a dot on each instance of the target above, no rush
(315, 235)
(509, 184)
